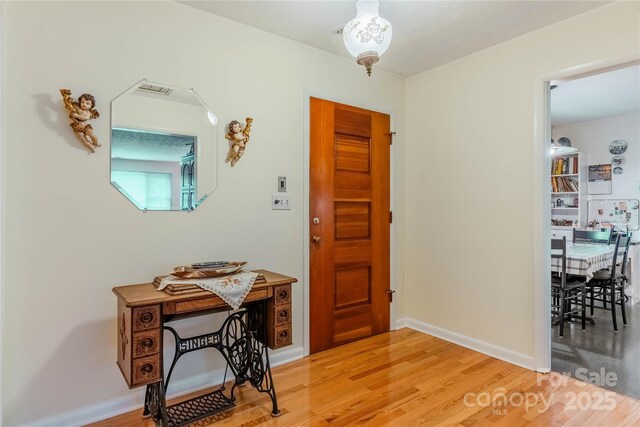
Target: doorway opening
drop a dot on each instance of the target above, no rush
(594, 224)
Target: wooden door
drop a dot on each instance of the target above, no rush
(349, 224)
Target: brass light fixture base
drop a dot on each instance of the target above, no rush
(367, 59)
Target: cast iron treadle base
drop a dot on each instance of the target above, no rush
(200, 407)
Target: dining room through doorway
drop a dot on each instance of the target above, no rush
(596, 187)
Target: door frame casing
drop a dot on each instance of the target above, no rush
(542, 200)
(307, 95)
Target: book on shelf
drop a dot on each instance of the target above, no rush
(556, 166)
(564, 184)
(570, 184)
(564, 166)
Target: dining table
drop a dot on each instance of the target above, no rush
(584, 259)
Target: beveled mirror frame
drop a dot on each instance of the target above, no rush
(138, 129)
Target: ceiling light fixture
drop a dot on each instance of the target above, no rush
(367, 36)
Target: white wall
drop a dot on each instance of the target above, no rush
(70, 237)
(593, 139)
(471, 195)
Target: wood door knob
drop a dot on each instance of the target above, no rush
(316, 239)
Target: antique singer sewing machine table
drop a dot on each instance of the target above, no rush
(143, 313)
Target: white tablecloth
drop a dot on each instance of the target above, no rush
(584, 259)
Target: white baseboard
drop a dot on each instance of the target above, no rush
(492, 350)
(135, 400)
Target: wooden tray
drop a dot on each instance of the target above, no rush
(188, 272)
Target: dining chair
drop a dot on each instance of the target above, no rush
(623, 265)
(623, 269)
(566, 292)
(592, 236)
(607, 286)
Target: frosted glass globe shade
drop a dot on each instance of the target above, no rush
(368, 35)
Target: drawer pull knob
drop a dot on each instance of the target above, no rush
(146, 317)
(147, 368)
(146, 343)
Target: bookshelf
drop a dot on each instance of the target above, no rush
(568, 193)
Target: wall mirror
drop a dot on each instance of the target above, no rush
(164, 143)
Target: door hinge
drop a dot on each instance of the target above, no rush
(390, 293)
(391, 134)
(390, 217)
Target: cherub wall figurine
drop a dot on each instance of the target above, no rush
(80, 112)
(238, 138)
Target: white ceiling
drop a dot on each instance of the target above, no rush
(132, 144)
(431, 33)
(600, 96)
(425, 33)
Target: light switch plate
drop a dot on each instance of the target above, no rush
(280, 201)
(282, 184)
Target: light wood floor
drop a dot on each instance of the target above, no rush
(406, 378)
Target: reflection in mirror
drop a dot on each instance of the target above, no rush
(163, 147)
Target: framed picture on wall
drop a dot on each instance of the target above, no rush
(600, 179)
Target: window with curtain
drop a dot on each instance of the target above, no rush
(150, 190)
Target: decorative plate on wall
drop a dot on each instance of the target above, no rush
(617, 170)
(617, 160)
(618, 146)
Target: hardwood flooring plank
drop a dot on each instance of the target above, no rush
(406, 378)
